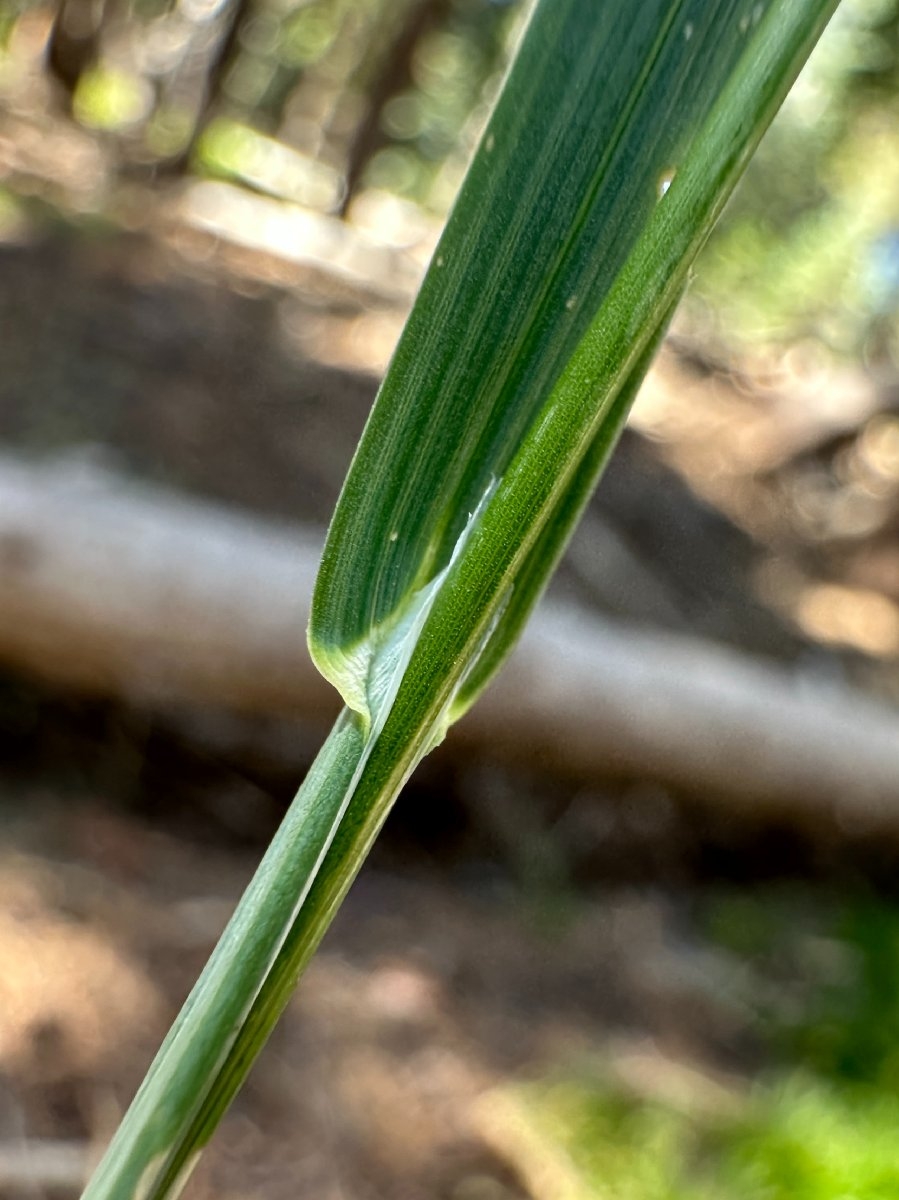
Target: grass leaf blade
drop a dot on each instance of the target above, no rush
(593, 188)
(620, 132)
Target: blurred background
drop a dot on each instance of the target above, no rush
(661, 971)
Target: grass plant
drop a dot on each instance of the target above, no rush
(821, 1124)
(795, 1138)
(618, 135)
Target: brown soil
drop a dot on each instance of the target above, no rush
(429, 991)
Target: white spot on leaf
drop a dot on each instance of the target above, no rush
(665, 180)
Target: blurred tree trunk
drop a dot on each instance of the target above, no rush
(222, 60)
(74, 42)
(392, 76)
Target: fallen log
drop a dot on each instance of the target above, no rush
(40, 1165)
(607, 701)
(128, 590)
(116, 588)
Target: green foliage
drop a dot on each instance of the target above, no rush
(801, 252)
(801, 1139)
(834, 1008)
(823, 1127)
(806, 1140)
(851, 1031)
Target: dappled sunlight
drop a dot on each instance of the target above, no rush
(852, 617)
(236, 150)
(356, 343)
(70, 996)
(298, 235)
